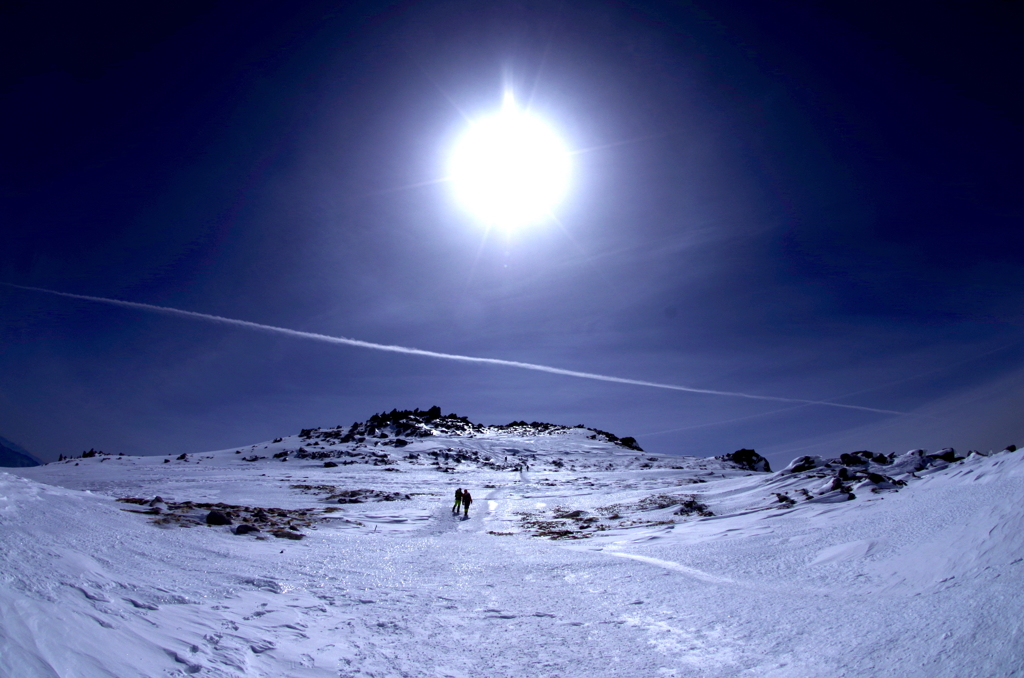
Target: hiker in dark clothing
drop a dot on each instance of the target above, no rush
(467, 499)
(458, 500)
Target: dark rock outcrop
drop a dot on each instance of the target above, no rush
(393, 428)
(399, 423)
(747, 459)
(217, 518)
(630, 442)
(947, 455)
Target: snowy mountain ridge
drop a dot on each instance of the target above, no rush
(389, 428)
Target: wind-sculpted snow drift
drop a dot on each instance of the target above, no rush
(581, 556)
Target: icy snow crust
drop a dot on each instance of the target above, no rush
(628, 576)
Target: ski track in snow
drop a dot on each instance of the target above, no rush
(927, 581)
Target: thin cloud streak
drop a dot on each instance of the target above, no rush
(409, 187)
(847, 395)
(432, 354)
(725, 421)
(624, 142)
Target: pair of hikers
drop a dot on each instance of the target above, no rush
(463, 498)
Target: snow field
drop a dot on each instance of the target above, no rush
(926, 581)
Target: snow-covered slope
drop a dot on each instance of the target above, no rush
(13, 455)
(581, 556)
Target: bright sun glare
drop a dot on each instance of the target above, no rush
(510, 169)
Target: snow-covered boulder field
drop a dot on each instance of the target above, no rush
(336, 553)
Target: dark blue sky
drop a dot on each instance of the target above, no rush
(797, 199)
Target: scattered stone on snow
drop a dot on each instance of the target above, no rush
(351, 496)
(254, 519)
(564, 523)
(361, 496)
(784, 499)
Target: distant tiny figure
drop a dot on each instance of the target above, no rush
(458, 500)
(467, 499)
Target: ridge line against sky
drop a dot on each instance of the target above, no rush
(435, 354)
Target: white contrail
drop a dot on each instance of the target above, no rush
(434, 354)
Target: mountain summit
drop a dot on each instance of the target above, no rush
(418, 423)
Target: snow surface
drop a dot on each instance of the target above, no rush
(925, 579)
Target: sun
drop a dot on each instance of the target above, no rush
(510, 170)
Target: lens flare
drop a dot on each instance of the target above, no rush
(510, 169)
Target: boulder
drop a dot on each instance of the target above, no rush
(217, 518)
(246, 529)
(947, 454)
(747, 459)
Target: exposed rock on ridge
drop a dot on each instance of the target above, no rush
(747, 459)
(394, 427)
